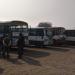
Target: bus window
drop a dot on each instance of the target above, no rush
(39, 32)
(36, 32)
(32, 32)
(1, 29)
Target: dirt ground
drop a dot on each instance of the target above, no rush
(41, 61)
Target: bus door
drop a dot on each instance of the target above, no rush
(15, 33)
(32, 36)
(48, 37)
(40, 35)
(25, 34)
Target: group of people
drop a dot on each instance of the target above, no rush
(5, 46)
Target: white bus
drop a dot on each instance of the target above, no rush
(70, 36)
(58, 35)
(40, 37)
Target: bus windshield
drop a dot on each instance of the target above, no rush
(36, 32)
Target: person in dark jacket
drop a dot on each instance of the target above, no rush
(1, 45)
(6, 46)
(20, 45)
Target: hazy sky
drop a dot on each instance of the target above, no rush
(59, 12)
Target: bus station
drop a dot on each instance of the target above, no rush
(44, 52)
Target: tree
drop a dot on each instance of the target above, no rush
(45, 24)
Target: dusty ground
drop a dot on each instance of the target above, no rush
(53, 61)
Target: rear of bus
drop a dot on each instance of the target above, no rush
(15, 35)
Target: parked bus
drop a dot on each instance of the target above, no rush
(58, 35)
(40, 37)
(70, 37)
(13, 28)
(46, 36)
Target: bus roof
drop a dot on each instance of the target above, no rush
(14, 23)
(40, 28)
(48, 28)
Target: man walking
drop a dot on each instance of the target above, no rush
(20, 44)
(6, 45)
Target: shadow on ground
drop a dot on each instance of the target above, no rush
(59, 49)
(15, 61)
(26, 59)
(56, 48)
(29, 57)
(31, 61)
(1, 71)
(36, 53)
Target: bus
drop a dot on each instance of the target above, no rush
(70, 37)
(58, 30)
(58, 35)
(13, 29)
(40, 37)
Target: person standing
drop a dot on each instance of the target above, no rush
(1, 45)
(6, 46)
(20, 45)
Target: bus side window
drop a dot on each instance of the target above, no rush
(32, 32)
(39, 32)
